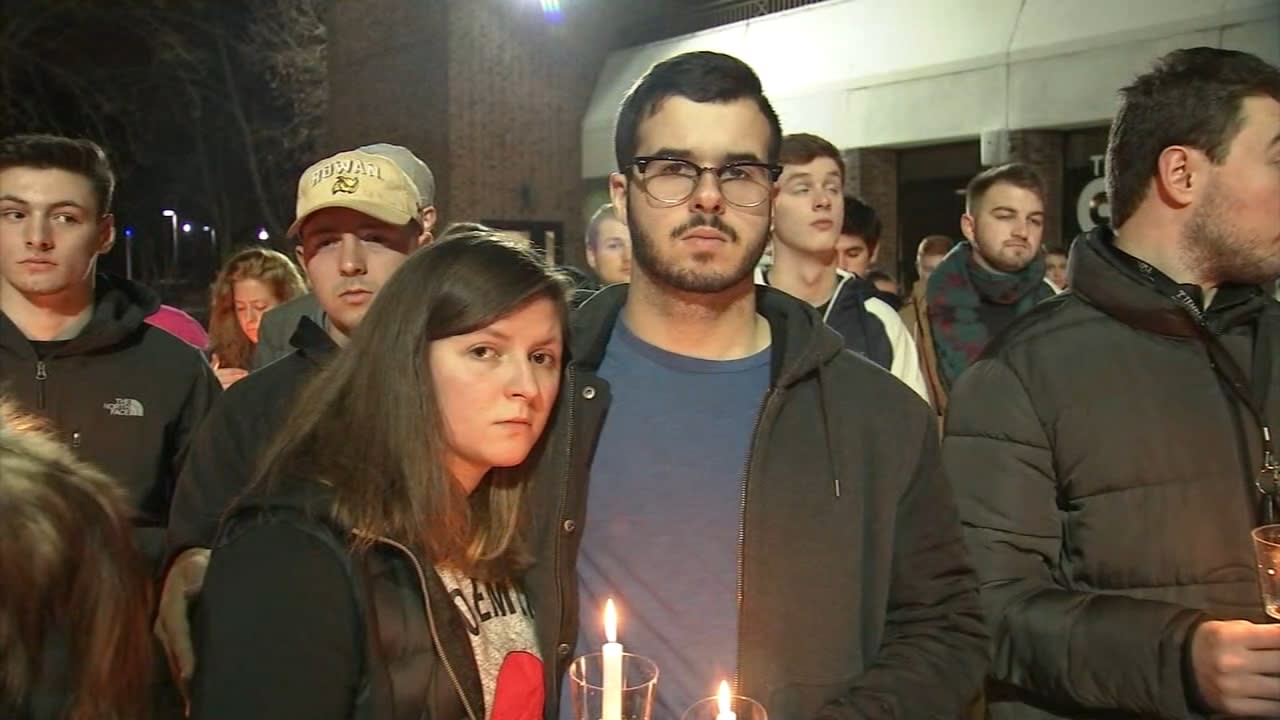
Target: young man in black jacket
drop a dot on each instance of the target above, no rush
(74, 344)
(809, 216)
(752, 520)
(1108, 450)
(358, 219)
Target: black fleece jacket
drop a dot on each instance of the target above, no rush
(124, 395)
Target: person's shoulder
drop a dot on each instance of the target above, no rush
(179, 324)
(161, 350)
(282, 377)
(288, 312)
(294, 515)
(865, 400)
(281, 549)
(885, 312)
(1055, 320)
(858, 381)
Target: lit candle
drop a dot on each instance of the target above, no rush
(725, 712)
(611, 703)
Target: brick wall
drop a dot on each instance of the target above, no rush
(487, 92)
(388, 80)
(518, 91)
(872, 175)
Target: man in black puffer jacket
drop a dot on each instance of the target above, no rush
(1103, 449)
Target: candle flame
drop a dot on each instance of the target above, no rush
(610, 622)
(724, 697)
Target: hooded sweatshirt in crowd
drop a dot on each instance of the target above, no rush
(123, 394)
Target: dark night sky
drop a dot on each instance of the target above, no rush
(161, 109)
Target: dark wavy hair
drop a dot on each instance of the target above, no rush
(393, 481)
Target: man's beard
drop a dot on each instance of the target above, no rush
(1003, 259)
(646, 258)
(1218, 251)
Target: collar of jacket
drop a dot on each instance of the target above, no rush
(1107, 279)
(312, 342)
(849, 293)
(852, 292)
(120, 308)
(801, 343)
(801, 347)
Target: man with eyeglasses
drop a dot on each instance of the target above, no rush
(752, 520)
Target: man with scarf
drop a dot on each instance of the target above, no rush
(983, 284)
(1112, 450)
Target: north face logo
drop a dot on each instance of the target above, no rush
(127, 407)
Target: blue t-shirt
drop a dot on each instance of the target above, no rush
(664, 510)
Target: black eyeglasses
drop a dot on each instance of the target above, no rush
(672, 180)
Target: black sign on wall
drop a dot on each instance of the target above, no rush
(1084, 196)
(1086, 199)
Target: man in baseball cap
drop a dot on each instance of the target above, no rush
(313, 192)
(359, 217)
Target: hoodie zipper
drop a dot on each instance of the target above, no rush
(431, 623)
(42, 374)
(831, 304)
(742, 530)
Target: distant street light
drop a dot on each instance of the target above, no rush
(263, 235)
(213, 246)
(173, 225)
(128, 253)
(186, 227)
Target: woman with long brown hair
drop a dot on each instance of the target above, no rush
(373, 571)
(252, 282)
(74, 605)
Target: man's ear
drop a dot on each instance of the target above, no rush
(1180, 174)
(618, 195)
(591, 257)
(427, 217)
(967, 226)
(106, 233)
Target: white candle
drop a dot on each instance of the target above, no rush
(725, 713)
(611, 703)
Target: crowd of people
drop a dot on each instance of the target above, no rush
(403, 471)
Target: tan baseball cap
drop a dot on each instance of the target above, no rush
(364, 182)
